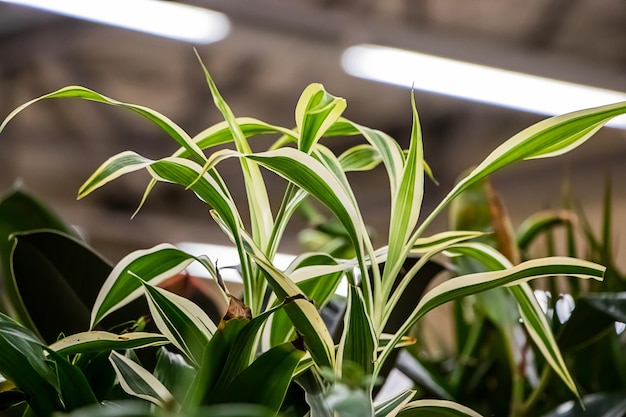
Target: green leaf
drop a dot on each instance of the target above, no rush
(122, 286)
(405, 205)
(302, 312)
(137, 381)
(358, 342)
(174, 373)
(19, 212)
(265, 381)
(99, 341)
(172, 129)
(113, 168)
(185, 324)
(363, 157)
(56, 272)
(316, 112)
(540, 222)
(23, 362)
(74, 387)
(436, 408)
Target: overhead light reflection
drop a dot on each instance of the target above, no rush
(162, 18)
(475, 82)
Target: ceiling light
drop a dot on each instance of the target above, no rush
(162, 18)
(475, 82)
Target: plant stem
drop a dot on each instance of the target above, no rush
(536, 393)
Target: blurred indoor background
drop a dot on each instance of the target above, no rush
(272, 51)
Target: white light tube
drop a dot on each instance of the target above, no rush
(162, 18)
(475, 82)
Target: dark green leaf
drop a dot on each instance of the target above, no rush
(56, 272)
(601, 404)
(23, 362)
(74, 387)
(19, 212)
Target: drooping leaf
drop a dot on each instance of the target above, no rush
(551, 137)
(168, 126)
(478, 282)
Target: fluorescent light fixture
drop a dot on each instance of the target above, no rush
(162, 18)
(475, 82)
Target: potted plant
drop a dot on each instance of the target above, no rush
(272, 350)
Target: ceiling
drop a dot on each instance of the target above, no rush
(274, 50)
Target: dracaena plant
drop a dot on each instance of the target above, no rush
(236, 359)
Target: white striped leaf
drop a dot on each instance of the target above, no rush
(316, 112)
(258, 200)
(473, 283)
(135, 380)
(122, 286)
(392, 406)
(550, 137)
(185, 324)
(532, 315)
(100, 341)
(436, 408)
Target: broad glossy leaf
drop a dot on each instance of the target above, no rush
(316, 112)
(23, 362)
(57, 272)
(171, 128)
(19, 212)
(99, 341)
(436, 408)
(123, 286)
(137, 381)
(185, 324)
